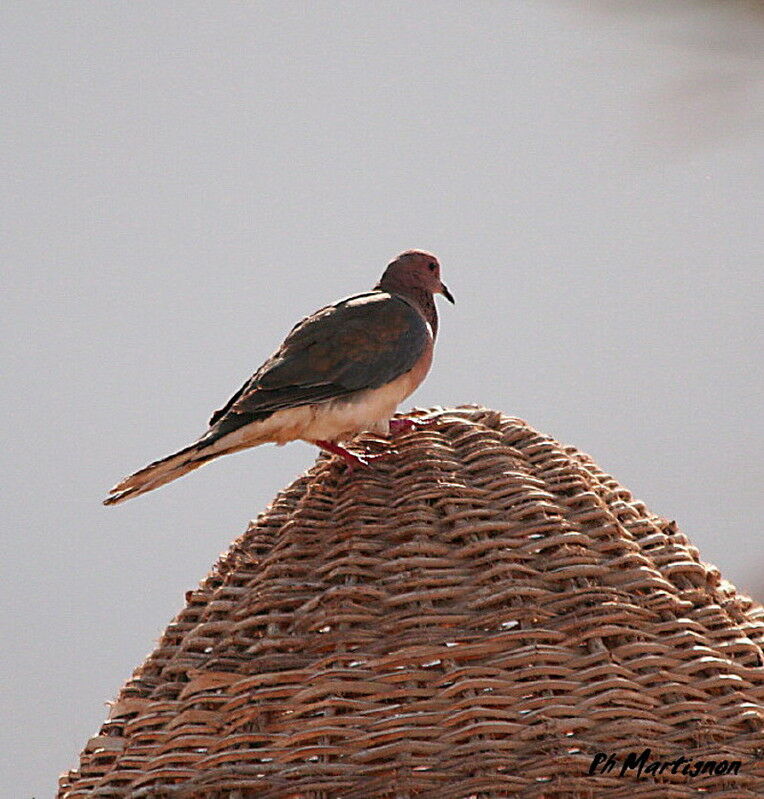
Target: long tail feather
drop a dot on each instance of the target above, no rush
(164, 471)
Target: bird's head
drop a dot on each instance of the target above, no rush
(414, 270)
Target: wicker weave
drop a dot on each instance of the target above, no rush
(476, 617)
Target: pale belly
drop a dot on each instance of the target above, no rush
(341, 419)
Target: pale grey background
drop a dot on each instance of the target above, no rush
(183, 180)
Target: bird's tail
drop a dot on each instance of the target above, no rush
(167, 469)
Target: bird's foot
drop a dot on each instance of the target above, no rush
(354, 460)
(408, 423)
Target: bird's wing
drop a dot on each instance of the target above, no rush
(361, 342)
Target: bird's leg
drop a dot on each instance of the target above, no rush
(352, 459)
(408, 423)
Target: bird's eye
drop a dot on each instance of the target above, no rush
(433, 266)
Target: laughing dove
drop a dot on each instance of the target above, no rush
(339, 372)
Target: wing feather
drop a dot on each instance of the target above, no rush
(359, 343)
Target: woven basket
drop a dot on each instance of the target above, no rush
(476, 617)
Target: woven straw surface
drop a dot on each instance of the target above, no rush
(476, 617)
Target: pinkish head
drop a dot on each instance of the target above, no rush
(414, 270)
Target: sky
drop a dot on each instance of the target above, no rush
(184, 181)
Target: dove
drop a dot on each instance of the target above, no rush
(341, 371)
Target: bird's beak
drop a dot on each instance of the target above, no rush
(447, 294)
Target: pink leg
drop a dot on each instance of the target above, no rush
(407, 424)
(351, 458)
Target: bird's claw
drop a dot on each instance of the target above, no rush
(355, 460)
(407, 423)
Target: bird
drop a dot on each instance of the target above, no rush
(341, 371)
